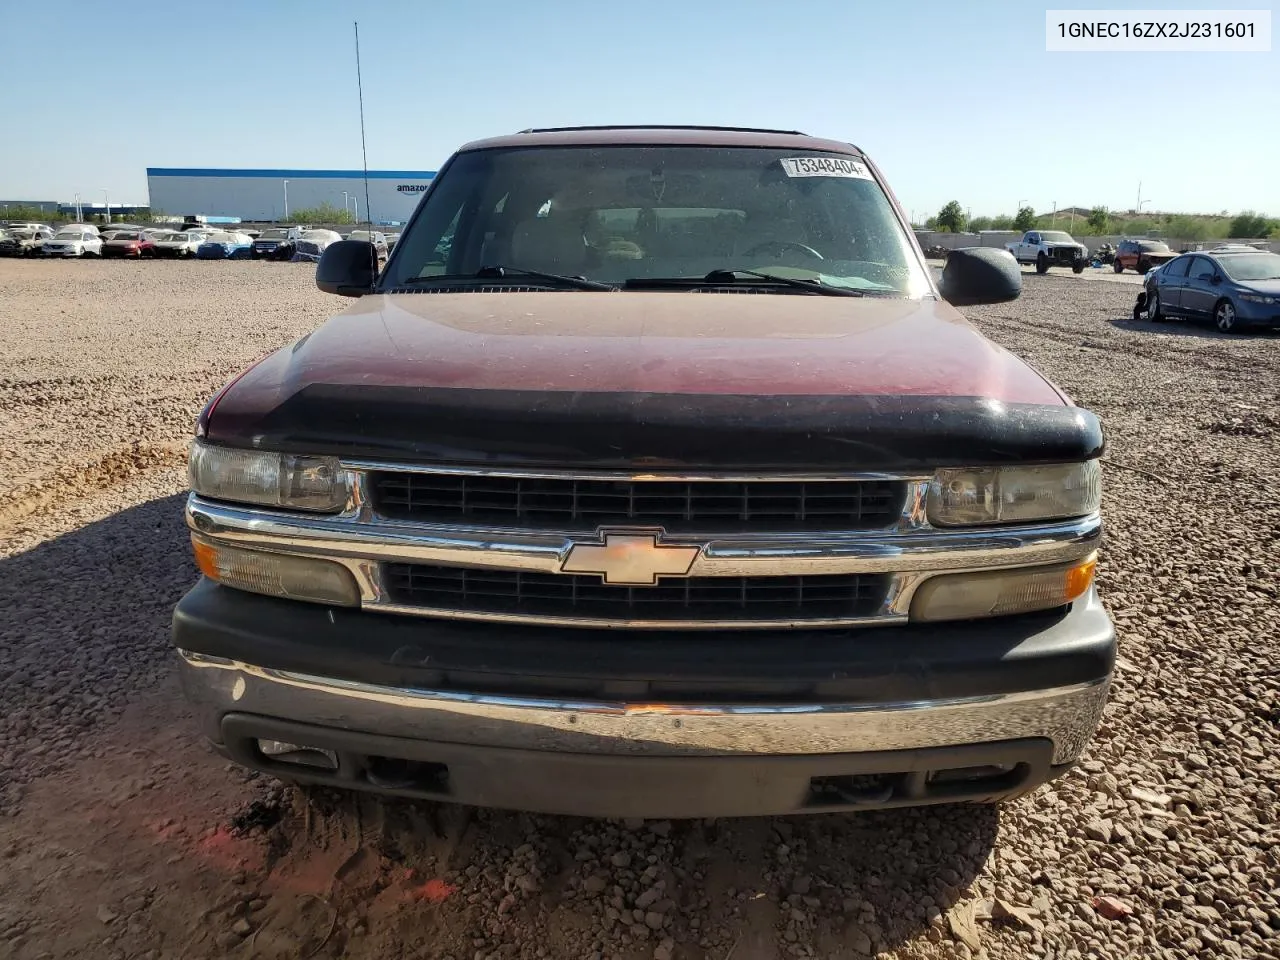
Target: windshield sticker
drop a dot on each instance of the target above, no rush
(824, 167)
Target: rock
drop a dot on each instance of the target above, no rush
(647, 897)
(242, 927)
(961, 920)
(1161, 801)
(1113, 908)
(654, 920)
(860, 943)
(594, 884)
(621, 859)
(106, 914)
(662, 951)
(802, 884)
(660, 827)
(1099, 830)
(633, 823)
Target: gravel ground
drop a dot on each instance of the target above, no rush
(122, 836)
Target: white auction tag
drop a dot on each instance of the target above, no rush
(825, 167)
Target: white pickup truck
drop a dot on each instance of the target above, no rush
(1049, 248)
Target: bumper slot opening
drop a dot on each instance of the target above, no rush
(394, 773)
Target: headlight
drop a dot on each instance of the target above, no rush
(998, 593)
(277, 574)
(271, 479)
(986, 495)
(1258, 298)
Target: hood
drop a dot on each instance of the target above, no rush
(1269, 288)
(619, 379)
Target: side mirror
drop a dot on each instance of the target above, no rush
(976, 275)
(347, 268)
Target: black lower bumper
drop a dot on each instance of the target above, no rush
(672, 724)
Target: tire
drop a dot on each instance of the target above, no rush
(1143, 267)
(1224, 317)
(1042, 263)
(1153, 307)
(1118, 267)
(1078, 267)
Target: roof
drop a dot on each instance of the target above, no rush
(663, 136)
(272, 174)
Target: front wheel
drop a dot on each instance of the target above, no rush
(1042, 263)
(1143, 267)
(1118, 267)
(1153, 307)
(1078, 267)
(1224, 317)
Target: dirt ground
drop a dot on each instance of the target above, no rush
(123, 836)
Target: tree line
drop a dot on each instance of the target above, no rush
(1247, 225)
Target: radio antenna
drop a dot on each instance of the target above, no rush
(368, 215)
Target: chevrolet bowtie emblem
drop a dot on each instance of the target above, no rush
(630, 559)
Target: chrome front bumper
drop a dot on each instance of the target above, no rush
(219, 687)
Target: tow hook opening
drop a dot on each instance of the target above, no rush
(280, 751)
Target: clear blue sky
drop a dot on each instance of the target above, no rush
(954, 100)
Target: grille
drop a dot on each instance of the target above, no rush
(566, 502)
(1065, 254)
(478, 590)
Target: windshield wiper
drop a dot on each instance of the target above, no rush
(502, 272)
(729, 277)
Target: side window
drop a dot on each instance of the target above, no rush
(1033, 238)
(1203, 269)
(1179, 267)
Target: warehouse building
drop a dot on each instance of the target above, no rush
(271, 194)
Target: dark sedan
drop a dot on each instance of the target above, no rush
(1233, 288)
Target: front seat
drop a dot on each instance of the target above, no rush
(550, 244)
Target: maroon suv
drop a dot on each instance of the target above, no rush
(654, 476)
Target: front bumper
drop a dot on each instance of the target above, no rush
(740, 724)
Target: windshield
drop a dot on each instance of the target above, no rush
(318, 235)
(1056, 236)
(1252, 266)
(274, 235)
(222, 238)
(69, 234)
(124, 235)
(1152, 246)
(618, 213)
(359, 235)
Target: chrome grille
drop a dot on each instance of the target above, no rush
(565, 502)
(480, 590)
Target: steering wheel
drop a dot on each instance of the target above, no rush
(781, 246)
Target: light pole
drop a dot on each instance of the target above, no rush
(356, 206)
(1054, 220)
(286, 199)
(106, 201)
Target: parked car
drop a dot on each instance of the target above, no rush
(313, 243)
(577, 538)
(183, 243)
(1234, 288)
(129, 243)
(224, 246)
(23, 240)
(379, 240)
(392, 238)
(272, 238)
(1141, 255)
(119, 227)
(77, 241)
(1049, 248)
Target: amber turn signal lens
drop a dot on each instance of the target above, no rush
(276, 574)
(999, 593)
